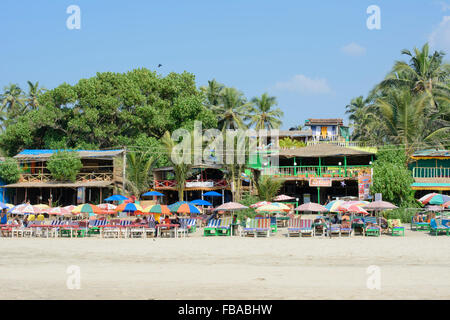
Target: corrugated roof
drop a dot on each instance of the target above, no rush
(289, 133)
(335, 121)
(47, 153)
(322, 150)
(90, 184)
(431, 153)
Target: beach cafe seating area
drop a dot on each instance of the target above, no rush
(183, 219)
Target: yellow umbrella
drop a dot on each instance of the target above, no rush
(270, 208)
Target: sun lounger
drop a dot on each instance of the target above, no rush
(263, 227)
(294, 227)
(419, 226)
(306, 227)
(371, 228)
(438, 229)
(183, 228)
(192, 224)
(395, 227)
(335, 230)
(224, 228)
(250, 228)
(346, 228)
(150, 229)
(211, 227)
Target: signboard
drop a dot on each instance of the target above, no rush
(306, 198)
(200, 184)
(81, 195)
(320, 182)
(364, 183)
(378, 197)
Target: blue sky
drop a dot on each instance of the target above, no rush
(314, 56)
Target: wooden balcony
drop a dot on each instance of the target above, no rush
(81, 177)
(306, 172)
(191, 184)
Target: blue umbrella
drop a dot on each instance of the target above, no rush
(116, 197)
(212, 194)
(201, 202)
(153, 193)
(3, 206)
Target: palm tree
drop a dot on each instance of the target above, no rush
(181, 169)
(139, 167)
(212, 92)
(268, 187)
(33, 93)
(232, 109)
(12, 101)
(263, 115)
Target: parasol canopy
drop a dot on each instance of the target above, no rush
(380, 205)
(434, 198)
(333, 206)
(260, 204)
(446, 205)
(87, 208)
(311, 206)
(183, 207)
(59, 211)
(201, 202)
(272, 208)
(352, 208)
(116, 197)
(212, 194)
(107, 206)
(283, 197)
(157, 208)
(128, 207)
(230, 206)
(25, 209)
(153, 193)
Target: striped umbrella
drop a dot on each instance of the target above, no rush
(271, 208)
(87, 208)
(157, 208)
(107, 206)
(183, 207)
(59, 211)
(45, 208)
(129, 207)
(426, 198)
(446, 205)
(352, 208)
(230, 206)
(260, 204)
(311, 207)
(25, 209)
(333, 206)
(283, 197)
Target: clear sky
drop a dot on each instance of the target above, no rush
(314, 56)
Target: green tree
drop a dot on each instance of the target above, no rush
(263, 115)
(392, 178)
(212, 92)
(139, 171)
(34, 92)
(268, 187)
(64, 165)
(9, 171)
(232, 110)
(12, 103)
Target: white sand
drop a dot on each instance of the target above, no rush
(414, 267)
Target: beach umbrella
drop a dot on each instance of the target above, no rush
(379, 205)
(157, 208)
(86, 208)
(230, 206)
(283, 197)
(200, 202)
(333, 206)
(272, 208)
(260, 204)
(439, 199)
(25, 209)
(59, 211)
(116, 197)
(352, 208)
(183, 207)
(4, 206)
(212, 194)
(446, 205)
(45, 208)
(153, 193)
(311, 206)
(128, 207)
(107, 206)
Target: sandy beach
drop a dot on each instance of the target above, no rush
(412, 267)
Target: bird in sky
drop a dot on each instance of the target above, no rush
(159, 65)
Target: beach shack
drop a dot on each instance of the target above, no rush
(101, 173)
(328, 129)
(431, 171)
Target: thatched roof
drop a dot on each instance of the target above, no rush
(322, 150)
(330, 122)
(44, 154)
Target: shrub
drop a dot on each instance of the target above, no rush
(291, 143)
(64, 166)
(9, 171)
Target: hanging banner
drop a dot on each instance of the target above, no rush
(81, 195)
(364, 183)
(200, 184)
(320, 182)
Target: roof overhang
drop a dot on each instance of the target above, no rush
(87, 184)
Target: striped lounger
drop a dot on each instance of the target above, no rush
(294, 227)
(224, 228)
(306, 227)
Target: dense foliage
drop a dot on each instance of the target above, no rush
(64, 165)
(9, 171)
(288, 142)
(268, 187)
(392, 178)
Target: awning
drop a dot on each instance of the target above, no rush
(88, 184)
(430, 186)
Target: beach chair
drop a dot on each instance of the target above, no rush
(419, 226)
(293, 227)
(183, 228)
(371, 228)
(346, 228)
(250, 228)
(224, 228)
(192, 225)
(306, 228)
(211, 227)
(320, 228)
(438, 229)
(150, 229)
(263, 227)
(335, 230)
(395, 227)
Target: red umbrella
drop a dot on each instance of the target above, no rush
(311, 206)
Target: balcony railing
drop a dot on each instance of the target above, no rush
(427, 172)
(191, 184)
(314, 171)
(81, 177)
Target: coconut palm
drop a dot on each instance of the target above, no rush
(268, 187)
(139, 169)
(232, 109)
(212, 92)
(33, 93)
(12, 101)
(262, 113)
